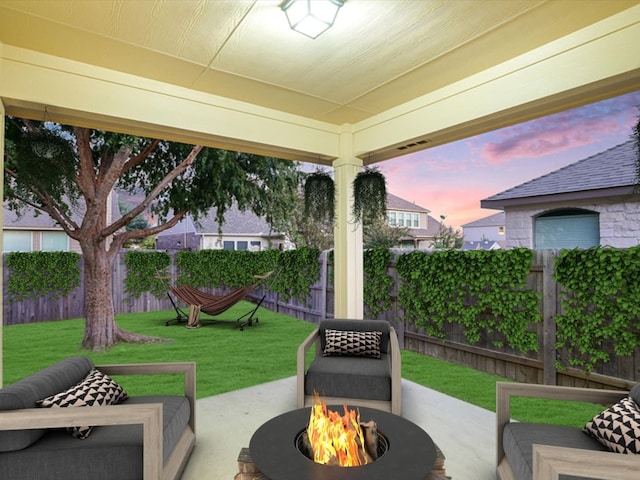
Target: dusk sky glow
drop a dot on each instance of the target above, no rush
(451, 179)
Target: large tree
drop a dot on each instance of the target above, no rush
(60, 170)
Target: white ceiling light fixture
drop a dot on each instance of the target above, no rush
(311, 17)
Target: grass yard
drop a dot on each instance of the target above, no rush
(228, 359)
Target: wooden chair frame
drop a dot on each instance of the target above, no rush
(550, 462)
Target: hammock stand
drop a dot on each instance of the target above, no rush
(213, 305)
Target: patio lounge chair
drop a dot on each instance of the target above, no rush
(213, 305)
(351, 365)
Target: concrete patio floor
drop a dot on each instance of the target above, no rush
(225, 423)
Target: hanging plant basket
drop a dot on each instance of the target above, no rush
(319, 196)
(369, 194)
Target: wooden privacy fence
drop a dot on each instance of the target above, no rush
(620, 372)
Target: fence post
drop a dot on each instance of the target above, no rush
(549, 300)
(324, 278)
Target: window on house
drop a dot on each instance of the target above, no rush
(401, 219)
(243, 245)
(16, 241)
(392, 219)
(501, 230)
(567, 228)
(416, 220)
(55, 242)
(228, 245)
(256, 246)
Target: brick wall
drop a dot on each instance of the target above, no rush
(619, 221)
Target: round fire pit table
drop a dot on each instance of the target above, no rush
(410, 455)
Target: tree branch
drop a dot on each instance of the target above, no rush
(121, 238)
(142, 206)
(48, 206)
(141, 157)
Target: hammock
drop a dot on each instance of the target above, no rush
(213, 305)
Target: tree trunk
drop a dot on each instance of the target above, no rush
(101, 330)
(100, 327)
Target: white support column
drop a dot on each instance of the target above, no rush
(348, 269)
(2, 113)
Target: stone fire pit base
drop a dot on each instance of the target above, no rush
(248, 471)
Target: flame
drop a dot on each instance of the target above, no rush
(334, 438)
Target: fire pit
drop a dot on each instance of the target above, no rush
(405, 451)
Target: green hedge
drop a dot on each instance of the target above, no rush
(482, 291)
(601, 303)
(37, 274)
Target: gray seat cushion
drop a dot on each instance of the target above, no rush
(111, 452)
(519, 438)
(24, 394)
(350, 377)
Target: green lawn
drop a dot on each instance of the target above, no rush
(229, 359)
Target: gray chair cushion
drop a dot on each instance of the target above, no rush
(111, 452)
(350, 377)
(24, 394)
(519, 438)
(635, 393)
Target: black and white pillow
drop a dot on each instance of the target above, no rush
(618, 427)
(354, 343)
(96, 389)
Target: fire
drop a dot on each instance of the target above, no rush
(336, 439)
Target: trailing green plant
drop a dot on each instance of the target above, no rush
(231, 268)
(377, 284)
(485, 292)
(600, 303)
(35, 274)
(298, 270)
(369, 195)
(319, 197)
(147, 271)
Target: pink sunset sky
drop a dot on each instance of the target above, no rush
(451, 179)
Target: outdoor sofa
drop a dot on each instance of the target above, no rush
(537, 451)
(142, 437)
(351, 364)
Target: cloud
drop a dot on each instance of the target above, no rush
(563, 131)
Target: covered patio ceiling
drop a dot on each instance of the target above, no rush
(406, 74)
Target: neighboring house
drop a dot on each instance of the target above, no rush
(489, 228)
(31, 233)
(423, 228)
(588, 203)
(240, 231)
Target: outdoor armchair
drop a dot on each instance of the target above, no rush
(356, 362)
(541, 452)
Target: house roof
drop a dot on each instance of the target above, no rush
(396, 203)
(236, 222)
(495, 220)
(482, 245)
(30, 221)
(605, 174)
